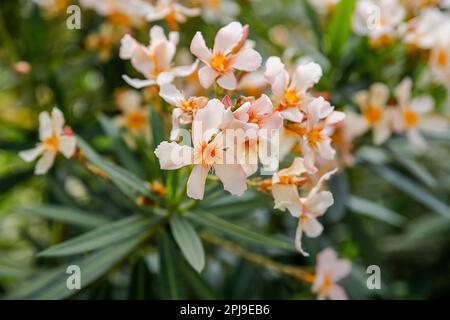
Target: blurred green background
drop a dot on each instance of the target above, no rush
(391, 209)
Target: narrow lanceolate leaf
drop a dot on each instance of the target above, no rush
(140, 281)
(171, 282)
(374, 210)
(188, 241)
(339, 29)
(157, 128)
(232, 230)
(413, 189)
(67, 215)
(121, 150)
(416, 169)
(121, 177)
(10, 181)
(113, 233)
(52, 284)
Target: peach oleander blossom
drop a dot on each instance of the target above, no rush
(123, 12)
(329, 270)
(185, 108)
(424, 30)
(229, 53)
(134, 115)
(378, 20)
(172, 12)
(155, 60)
(415, 115)
(376, 115)
(307, 209)
(316, 138)
(223, 11)
(208, 153)
(54, 139)
(439, 63)
(291, 91)
(257, 122)
(324, 7)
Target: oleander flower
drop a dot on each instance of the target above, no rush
(209, 152)
(253, 83)
(425, 30)
(291, 91)
(378, 20)
(415, 115)
(314, 205)
(55, 138)
(228, 54)
(285, 185)
(172, 12)
(329, 270)
(120, 12)
(258, 122)
(223, 11)
(324, 7)
(155, 60)
(376, 115)
(185, 108)
(134, 115)
(316, 138)
(439, 62)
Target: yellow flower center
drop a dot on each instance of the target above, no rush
(188, 106)
(442, 58)
(315, 136)
(135, 120)
(118, 18)
(373, 114)
(52, 142)
(220, 63)
(411, 118)
(215, 4)
(291, 97)
(327, 283)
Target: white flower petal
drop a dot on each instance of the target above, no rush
(196, 182)
(227, 38)
(227, 81)
(173, 156)
(31, 154)
(138, 83)
(199, 48)
(233, 178)
(206, 76)
(67, 145)
(247, 59)
(45, 162)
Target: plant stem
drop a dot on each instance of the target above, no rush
(295, 272)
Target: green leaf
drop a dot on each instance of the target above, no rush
(51, 285)
(375, 211)
(171, 283)
(157, 127)
(125, 180)
(65, 214)
(113, 233)
(9, 181)
(230, 229)
(339, 29)
(188, 241)
(121, 150)
(415, 191)
(140, 281)
(197, 284)
(419, 171)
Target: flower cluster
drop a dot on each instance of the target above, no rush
(404, 114)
